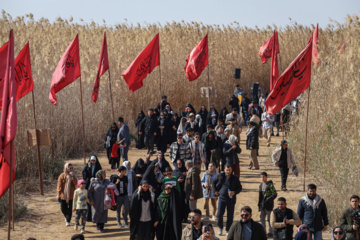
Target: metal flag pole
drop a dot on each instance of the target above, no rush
(10, 190)
(111, 99)
(306, 133)
(160, 87)
(82, 119)
(208, 83)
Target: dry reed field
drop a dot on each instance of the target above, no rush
(333, 120)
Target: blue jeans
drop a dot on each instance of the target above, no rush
(317, 235)
(81, 213)
(224, 202)
(122, 200)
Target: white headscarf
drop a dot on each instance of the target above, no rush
(232, 139)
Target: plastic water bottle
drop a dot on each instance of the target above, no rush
(229, 192)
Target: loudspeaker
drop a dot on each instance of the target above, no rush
(237, 73)
(254, 91)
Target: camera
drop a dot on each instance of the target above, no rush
(206, 229)
(356, 217)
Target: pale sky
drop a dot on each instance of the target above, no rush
(247, 12)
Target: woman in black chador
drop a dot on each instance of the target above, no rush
(168, 216)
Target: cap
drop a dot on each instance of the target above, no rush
(284, 142)
(191, 115)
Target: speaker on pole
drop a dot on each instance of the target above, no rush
(237, 73)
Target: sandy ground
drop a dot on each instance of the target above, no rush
(47, 222)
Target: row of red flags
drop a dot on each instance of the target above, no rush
(16, 79)
(295, 79)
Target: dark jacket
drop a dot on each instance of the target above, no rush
(266, 199)
(138, 122)
(347, 222)
(222, 115)
(245, 104)
(235, 185)
(235, 231)
(252, 140)
(231, 154)
(315, 220)
(149, 124)
(234, 102)
(112, 134)
(193, 184)
(163, 105)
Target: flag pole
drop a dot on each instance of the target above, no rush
(160, 87)
(208, 83)
(82, 119)
(13, 206)
(38, 148)
(10, 191)
(306, 132)
(111, 99)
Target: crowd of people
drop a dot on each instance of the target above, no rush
(158, 195)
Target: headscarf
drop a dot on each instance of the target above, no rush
(67, 187)
(145, 196)
(93, 166)
(136, 168)
(232, 139)
(149, 176)
(130, 182)
(209, 182)
(163, 201)
(99, 176)
(301, 235)
(342, 229)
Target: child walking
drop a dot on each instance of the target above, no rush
(114, 157)
(80, 205)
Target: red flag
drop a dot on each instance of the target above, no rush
(342, 49)
(3, 61)
(265, 50)
(23, 76)
(197, 60)
(274, 72)
(294, 80)
(315, 57)
(143, 64)
(102, 67)
(8, 123)
(67, 70)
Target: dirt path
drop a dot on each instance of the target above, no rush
(47, 222)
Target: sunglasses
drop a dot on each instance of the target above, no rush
(244, 215)
(169, 174)
(340, 232)
(179, 138)
(82, 183)
(71, 168)
(196, 137)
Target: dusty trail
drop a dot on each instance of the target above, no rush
(47, 222)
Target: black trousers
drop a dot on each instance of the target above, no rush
(284, 174)
(66, 209)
